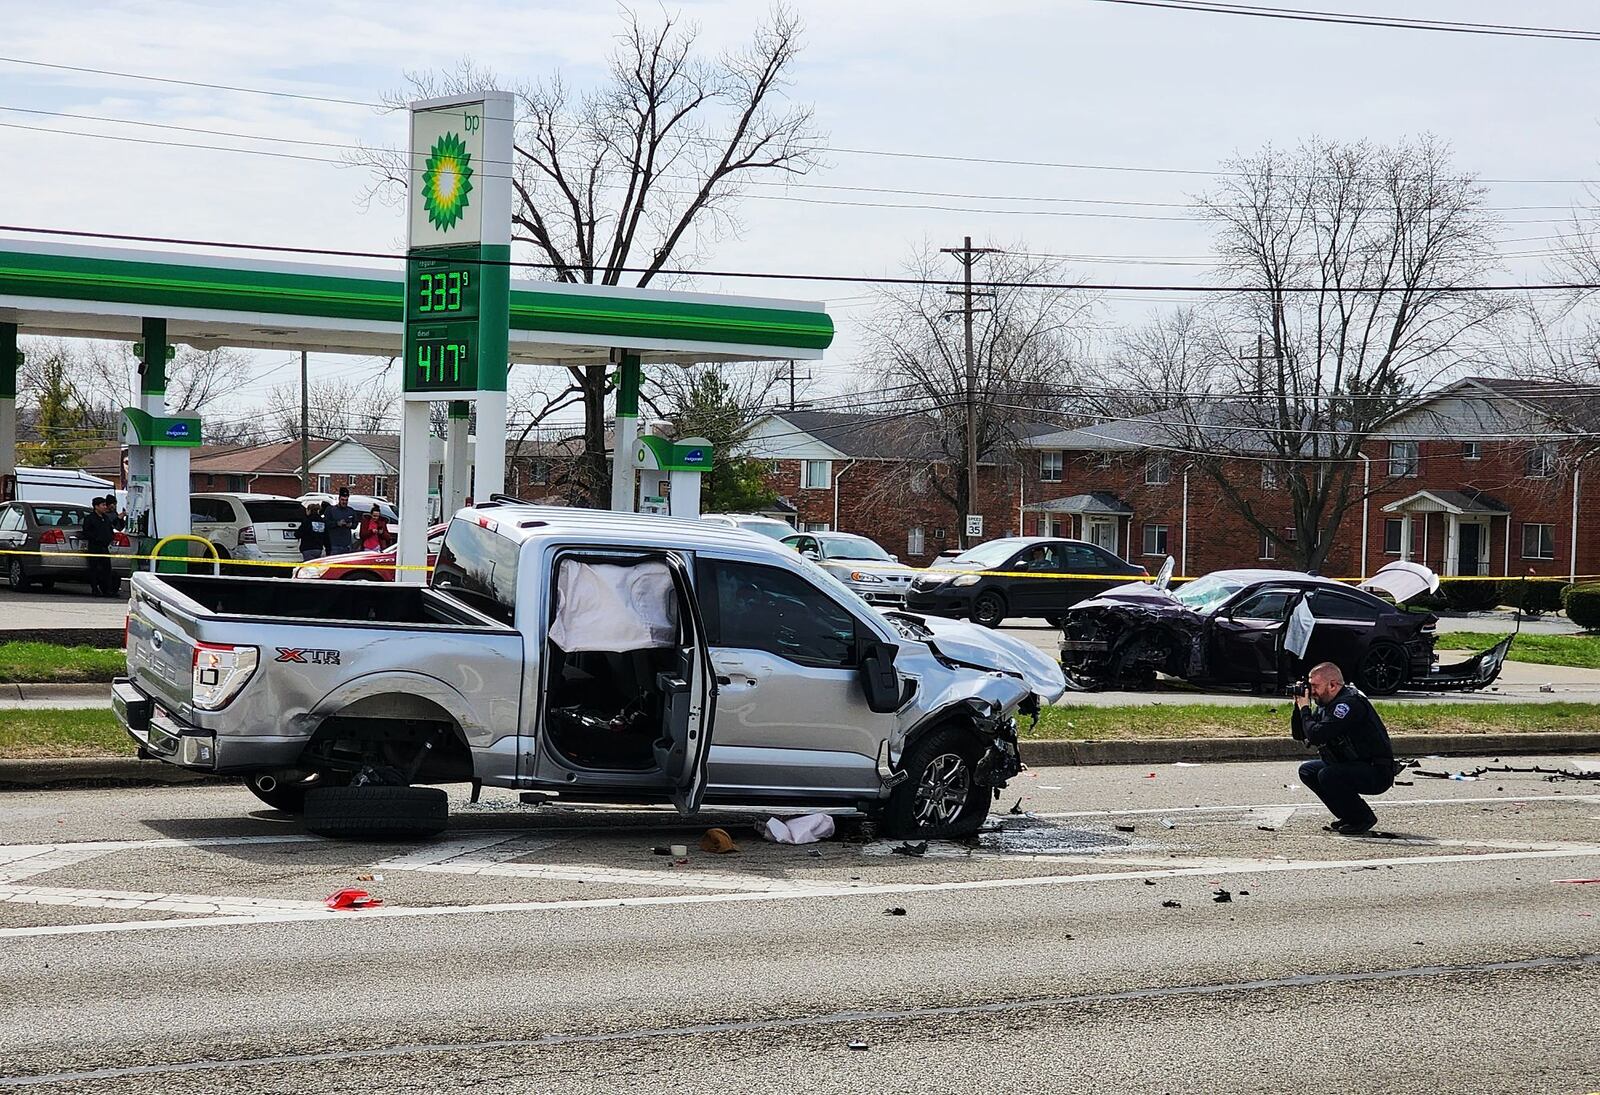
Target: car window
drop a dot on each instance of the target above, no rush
(433, 543)
(276, 511)
(210, 510)
(775, 529)
(1328, 605)
(13, 520)
(1083, 559)
(1269, 604)
(1206, 595)
(851, 548)
(480, 567)
(986, 556)
(796, 542)
(58, 516)
(752, 607)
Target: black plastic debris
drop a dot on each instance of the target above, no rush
(1016, 808)
(661, 849)
(894, 910)
(1124, 828)
(1170, 904)
(1244, 893)
(1221, 896)
(920, 849)
(858, 1045)
(1149, 882)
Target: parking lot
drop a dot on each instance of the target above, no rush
(543, 947)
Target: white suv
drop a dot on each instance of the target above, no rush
(258, 527)
(769, 527)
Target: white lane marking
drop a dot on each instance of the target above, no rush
(19, 862)
(153, 902)
(388, 912)
(1382, 802)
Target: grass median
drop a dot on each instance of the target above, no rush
(47, 663)
(1573, 651)
(41, 733)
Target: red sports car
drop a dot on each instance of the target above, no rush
(366, 566)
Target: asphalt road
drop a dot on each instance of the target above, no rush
(173, 940)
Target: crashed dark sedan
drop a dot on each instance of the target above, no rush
(1233, 627)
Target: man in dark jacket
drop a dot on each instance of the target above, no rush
(100, 527)
(1356, 757)
(342, 522)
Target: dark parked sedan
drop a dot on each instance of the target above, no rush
(48, 540)
(1230, 627)
(1018, 576)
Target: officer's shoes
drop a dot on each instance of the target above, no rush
(1351, 828)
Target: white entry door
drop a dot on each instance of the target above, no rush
(1103, 533)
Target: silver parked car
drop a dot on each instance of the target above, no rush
(598, 656)
(55, 531)
(870, 572)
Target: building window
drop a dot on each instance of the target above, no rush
(1291, 535)
(817, 475)
(1158, 471)
(1393, 529)
(1269, 549)
(1155, 539)
(815, 526)
(236, 483)
(211, 481)
(939, 535)
(1405, 461)
(380, 486)
(1050, 467)
(919, 480)
(1102, 460)
(539, 472)
(1541, 463)
(1472, 450)
(323, 483)
(915, 542)
(1538, 541)
(1269, 477)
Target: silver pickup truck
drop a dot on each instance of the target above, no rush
(591, 655)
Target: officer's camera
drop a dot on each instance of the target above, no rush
(1301, 687)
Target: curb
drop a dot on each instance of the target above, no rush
(132, 772)
(1200, 750)
(45, 691)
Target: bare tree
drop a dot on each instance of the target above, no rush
(1357, 264)
(1173, 355)
(615, 182)
(1023, 350)
(336, 407)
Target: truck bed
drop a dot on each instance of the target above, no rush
(356, 603)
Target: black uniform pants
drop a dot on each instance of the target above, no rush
(1340, 786)
(100, 579)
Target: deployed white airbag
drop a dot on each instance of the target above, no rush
(603, 607)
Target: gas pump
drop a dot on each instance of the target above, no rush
(669, 474)
(158, 478)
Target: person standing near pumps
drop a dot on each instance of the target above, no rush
(342, 522)
(100, 527)
(1356, 757)
(313, 532)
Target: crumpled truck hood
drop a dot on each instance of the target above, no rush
(973, 645)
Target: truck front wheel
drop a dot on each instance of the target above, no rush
(376, 812)
(940, 796)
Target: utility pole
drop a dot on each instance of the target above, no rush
(305, 427)
(968, 255)
(791, 383)
(1260, 358)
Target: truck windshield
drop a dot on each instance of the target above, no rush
(479, 567)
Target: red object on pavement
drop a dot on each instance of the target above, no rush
(352, 899)
(1578, 881)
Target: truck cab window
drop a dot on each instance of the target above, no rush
(479, 567)
(752, 607)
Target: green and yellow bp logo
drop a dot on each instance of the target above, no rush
(447, 181)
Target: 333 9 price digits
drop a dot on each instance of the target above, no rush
(442, 292)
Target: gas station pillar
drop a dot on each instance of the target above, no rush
(457, 464)
(10, 359)
(627, 433)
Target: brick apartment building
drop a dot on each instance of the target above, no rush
(1486, 477)
(878, 476)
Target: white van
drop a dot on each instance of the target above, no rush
(61, 485)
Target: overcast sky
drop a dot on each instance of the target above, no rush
(1063, 81)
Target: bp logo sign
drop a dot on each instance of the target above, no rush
(447, 181)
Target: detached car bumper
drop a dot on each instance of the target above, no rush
(161, 735)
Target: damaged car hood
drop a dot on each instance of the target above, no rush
(979, 646)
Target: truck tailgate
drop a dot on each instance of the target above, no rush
(161, 653)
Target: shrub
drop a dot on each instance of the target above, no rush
(1533, 594)
(1470, 596)
(1583, 605)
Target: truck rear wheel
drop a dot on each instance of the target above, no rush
(376, 812)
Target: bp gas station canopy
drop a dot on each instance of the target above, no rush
(94, 292)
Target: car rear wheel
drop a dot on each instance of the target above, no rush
(940, 796)
(1383, 669)
(377, 812)
(989, 609)
(17, 576)
(362, 576)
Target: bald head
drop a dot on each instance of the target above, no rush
(1327, 671)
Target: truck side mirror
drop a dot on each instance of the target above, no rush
(879, 680)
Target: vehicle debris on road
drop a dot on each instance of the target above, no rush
(352, 899)
(718, 842)
(807, 829)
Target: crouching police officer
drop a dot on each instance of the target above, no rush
(1357, 758)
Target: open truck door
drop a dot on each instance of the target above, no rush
(630, 692)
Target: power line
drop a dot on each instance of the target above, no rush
(1502, 30)
(831, 149)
